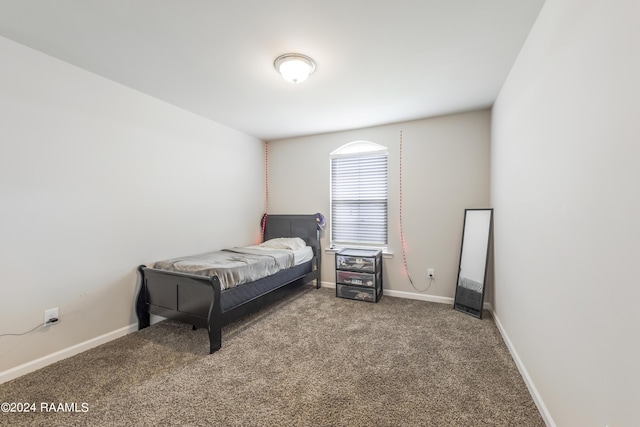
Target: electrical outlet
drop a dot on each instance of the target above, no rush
(431, 273)
(49, 314)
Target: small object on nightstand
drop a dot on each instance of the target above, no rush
(359, 274)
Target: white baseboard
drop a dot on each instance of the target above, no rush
(34, 365)
(411, 295)
(537, 399)
(417, 296)
(328, 285)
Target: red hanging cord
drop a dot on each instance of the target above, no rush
(266, 188)
(403, 243)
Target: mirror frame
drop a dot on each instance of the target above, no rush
(456, 304)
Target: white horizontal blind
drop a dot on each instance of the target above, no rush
(359, 199)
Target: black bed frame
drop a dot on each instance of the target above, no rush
(199, 300)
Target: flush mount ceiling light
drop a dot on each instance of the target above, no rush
(294, 67)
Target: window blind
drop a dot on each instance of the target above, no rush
(359, 199)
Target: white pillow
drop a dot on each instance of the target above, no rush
(293, 243)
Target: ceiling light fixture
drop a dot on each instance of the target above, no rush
(294, 67)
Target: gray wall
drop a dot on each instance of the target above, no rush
(445, 170)
(565, 188)
(95, 179)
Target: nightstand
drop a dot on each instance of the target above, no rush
(359, 274)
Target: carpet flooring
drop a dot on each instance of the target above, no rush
(309, 360)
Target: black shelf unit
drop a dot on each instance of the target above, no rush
(359, 274)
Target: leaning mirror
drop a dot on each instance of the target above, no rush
(474, 258)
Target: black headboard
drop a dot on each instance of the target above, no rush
(303, 226)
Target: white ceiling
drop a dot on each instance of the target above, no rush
(378, 61)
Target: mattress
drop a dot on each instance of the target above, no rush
(239, 295)
(469, 298)
(239, 265)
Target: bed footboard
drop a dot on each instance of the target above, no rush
(187, 298)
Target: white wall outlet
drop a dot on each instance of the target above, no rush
(49, 314)
(431, 273)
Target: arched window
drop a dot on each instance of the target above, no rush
(359, 194)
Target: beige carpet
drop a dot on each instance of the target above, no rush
(310, 360)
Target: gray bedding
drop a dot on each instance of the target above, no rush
(232, 266)
(470, 284)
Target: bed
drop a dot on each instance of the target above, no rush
(210, 298)
(469, 295)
